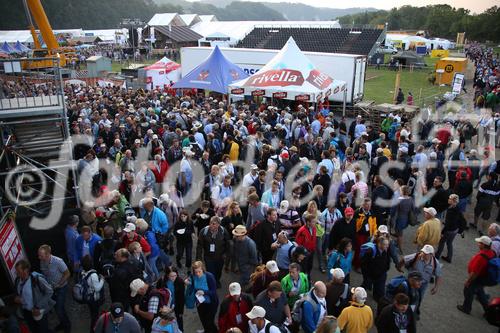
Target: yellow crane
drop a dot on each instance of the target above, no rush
(34, 10)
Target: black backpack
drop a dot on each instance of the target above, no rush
(106, 265)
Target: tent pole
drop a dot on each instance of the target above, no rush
(344, 103)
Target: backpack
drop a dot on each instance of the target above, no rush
(368, 246)
(106, 260)
(393, 287)
(164, 295)
(348, 184)
(290, 251)
(83, 293)
(493, 271)
(492, 313)
(297, 311)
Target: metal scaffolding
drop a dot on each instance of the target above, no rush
(36, 161)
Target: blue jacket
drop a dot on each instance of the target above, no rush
(151, 238)
(345, 262)
(159, 221)
(310, 313)
(94, 239)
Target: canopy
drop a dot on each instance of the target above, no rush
(289, 75)
(216, 73)
(21, 48)
(7, 48)
(163, 72)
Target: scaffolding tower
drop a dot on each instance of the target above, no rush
(36, 160)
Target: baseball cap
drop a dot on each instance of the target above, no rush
(383, 229)
(117, 310)
(137, 141)
(257, 312)
(415, 275)
(430, 210)
(360, 294)
(234, 289)
(129, 227)
(484, 240)
(337, 273)
(272, 266)
(254, 167)
(285, 154)
(428, 249)
(135, 286)
(349, 211)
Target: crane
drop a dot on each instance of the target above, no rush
(34, 10)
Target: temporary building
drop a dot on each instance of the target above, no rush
(163, 72)
(447, 67)
(216, 73)
(21, 48)
(8, 49)
(289, 75)
(409, 58)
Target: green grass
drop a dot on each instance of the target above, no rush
(379, 85)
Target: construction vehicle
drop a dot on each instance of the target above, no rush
(34, 10)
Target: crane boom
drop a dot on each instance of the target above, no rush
(36, 9)
(31, 26)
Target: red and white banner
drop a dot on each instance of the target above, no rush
(258, 93)
(11, 248)
(280, 95)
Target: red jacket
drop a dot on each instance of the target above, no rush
(159, 175)
(228, 311)
(478, 264)
(146, 248)
(306, 239)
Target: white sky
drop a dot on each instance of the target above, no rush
(476, 6)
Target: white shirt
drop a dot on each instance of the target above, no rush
(254, 329)
(249, 179)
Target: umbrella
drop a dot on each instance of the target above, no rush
(21, 48)
(7, 48)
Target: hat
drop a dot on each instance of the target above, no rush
(433, 155)
(348, 211)
(155, 136)
(337, 273)
(484, 240)
(117, 310)
(359, 294)
(285, 154)
(240, 230)
(272, 266)
(129, 227)
(137, 141)
(284, 206)
(403, 149)
(293, 148)
(428, 249)
(257, 312)
(135, 286)
(415, 275)
(430, 210)
(436, 140)
(383, 229)
(234, 289)
(254, 167)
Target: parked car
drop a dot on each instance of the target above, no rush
(387, 49)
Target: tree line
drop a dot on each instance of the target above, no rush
(438, 20)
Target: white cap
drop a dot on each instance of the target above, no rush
(254, 167)
(337, 273)
(272, 266)
(359, 294)
(155, 136)
(137, 141)
(430, 210)
(163, 198)
(484, 240)
(428, 249)
(284, 206)
(129, 227)
(234, 289)
(257, 312)
(433, 155)
(383, 229)
(135, 286)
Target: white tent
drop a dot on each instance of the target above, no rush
(163, 72)
(289, 75)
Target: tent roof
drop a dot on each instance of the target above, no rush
(408, 55)
(190, 19)
(216, 73)
(163, 19)
(8, 49)
(292, 72)
(208, 18)
(179, 34)
(164, 64)
(21, 48)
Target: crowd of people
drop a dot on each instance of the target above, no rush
(264, 195)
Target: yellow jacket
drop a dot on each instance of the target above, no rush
(357, 318)
(429, 233)
(360, 218)
(234, 151)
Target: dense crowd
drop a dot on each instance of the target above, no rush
(267, 194)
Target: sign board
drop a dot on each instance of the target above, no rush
(11, 248)
(302, 98)
(458, 81)
(258, 93)
(440, 53)
(238, 91)
(280, 95)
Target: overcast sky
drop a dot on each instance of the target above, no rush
(476, 6)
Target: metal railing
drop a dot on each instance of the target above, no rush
(27, 83)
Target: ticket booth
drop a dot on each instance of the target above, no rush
(449, 67)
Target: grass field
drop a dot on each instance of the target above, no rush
(379, 85)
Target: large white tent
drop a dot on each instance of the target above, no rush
(289, 75)
(163, 72)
